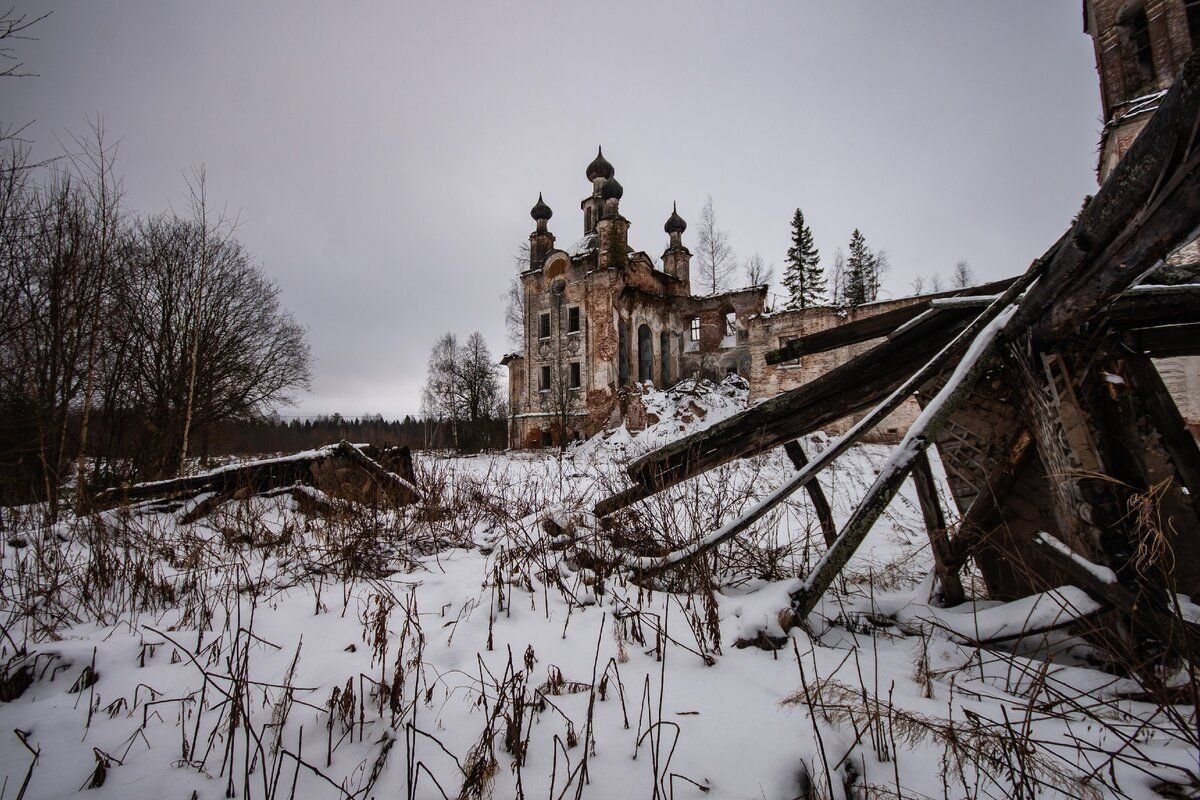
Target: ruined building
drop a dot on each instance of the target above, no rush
(601, 320)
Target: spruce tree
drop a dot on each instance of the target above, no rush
(803, 277)
(860, 272)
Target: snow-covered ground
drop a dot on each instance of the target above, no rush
(457, 653)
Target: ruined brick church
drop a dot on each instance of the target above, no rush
(601, 321)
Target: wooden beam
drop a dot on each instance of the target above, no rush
(951, 588)
(1168, 341)
(856, 332)
(1158, 404)
(848, 389)
(1147, 614)
(815, 493)
(879, 325)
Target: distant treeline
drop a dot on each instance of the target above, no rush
(277, 435)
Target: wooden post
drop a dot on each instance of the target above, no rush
(815, 492)
(950, 587)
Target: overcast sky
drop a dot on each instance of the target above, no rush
(382, 157)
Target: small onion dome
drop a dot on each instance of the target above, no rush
(675, 223)
(612, 190)
(541, 211)
(599, 168)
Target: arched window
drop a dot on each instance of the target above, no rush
(645, 355)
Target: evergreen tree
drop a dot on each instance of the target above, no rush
(804, 278)
(861, 280)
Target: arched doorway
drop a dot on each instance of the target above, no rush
(645, 355)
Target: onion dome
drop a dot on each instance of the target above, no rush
(599, 168)
(541, 212)
(675, 223)
(612, 190)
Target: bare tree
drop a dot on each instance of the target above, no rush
(95, 161)
(758, 272)
(918, 285)
(212, 340)
(963, 275)
(837, 278)
(13, 28)
(462, 389)
(440, 397)
(715, 262)
(514, 301)
(935, 282)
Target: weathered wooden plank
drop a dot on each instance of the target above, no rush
(950, 586)
(879, 325)
(856, 332)
(815, 493)
(1147, 613)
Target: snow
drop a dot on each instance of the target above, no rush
(978, 623)
(481, 604)
(1101, 574)
(582, 247)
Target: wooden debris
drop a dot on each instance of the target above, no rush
(1072, 431)
(341, 470)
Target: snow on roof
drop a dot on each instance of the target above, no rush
(582, 247)
(762, 287)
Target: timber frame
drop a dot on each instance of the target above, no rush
(1067, 459)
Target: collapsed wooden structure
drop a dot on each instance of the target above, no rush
(1067, 459)
(359, 473)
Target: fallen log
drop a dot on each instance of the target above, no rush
(326, 466)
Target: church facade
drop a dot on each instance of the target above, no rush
(602, 321)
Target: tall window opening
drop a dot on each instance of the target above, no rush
(544, 379)
(1135, 43)
(695, 329)
(664, 355)
(645, 355)
(573, 319)
(544, 326)
(576, 375)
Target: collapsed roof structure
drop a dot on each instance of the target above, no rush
(1067, 459)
